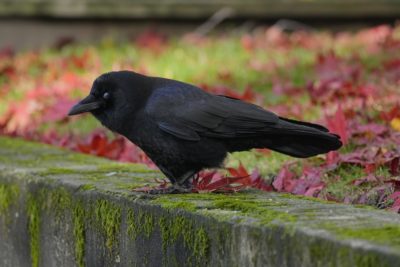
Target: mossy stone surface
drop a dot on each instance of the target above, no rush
(67, 209)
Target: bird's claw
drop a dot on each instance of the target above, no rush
(173, 189)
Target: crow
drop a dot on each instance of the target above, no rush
(184, 129)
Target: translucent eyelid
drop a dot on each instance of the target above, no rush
(106, 95)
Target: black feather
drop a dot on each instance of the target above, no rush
(184, 129)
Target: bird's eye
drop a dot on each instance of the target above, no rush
(106, 95)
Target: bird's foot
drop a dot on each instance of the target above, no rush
(173, 189)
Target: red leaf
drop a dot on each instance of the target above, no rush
(338, 124)
(283, 179)
(394, 166)
(234, 172)
(394, 195)
(58, 111)
(396, 206)
(226, 181)
(393, 113)
(370, 168)
(99, 145)
(204, 183)
(146, 189)
(258, 182)
(332, 158)
(239, 172)
(242, 171)
(205, 180)
(370, 130)
(314, 190)
(250, 95)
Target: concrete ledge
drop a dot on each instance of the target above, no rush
(58, 208)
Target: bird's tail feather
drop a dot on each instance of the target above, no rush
(302, 139)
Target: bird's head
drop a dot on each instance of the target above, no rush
(114, 98)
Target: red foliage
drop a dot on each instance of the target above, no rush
(361, 104)
(284, 180)
(394, 112)
(118, 149)
(240, 179)
(338, 124)
(57, 112)
(162, 184)
(99, 145)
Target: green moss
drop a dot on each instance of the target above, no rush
(108, 218)
(49, 162)
(9, 194)
(25, 148)
(249, 204)
(170, 231)
(200, 243)
(102, 167)
(141, 223)
(87, 187)
(17, 143)
(234, 204)
(194, 238)
(146, 223)
(342, 256)
(175, 204)
(91, 174)
(33, 210)
(318, 254)
(99, 179)
(57, 200)
(204, 198)
(314, 199)
(223, 236)
(262, 211)
(163, 224)
(79, 232)
(368, 260)
(132, 227)
(55, 171)
(123, 167)
(385, 234)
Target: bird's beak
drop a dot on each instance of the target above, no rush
(87, 104)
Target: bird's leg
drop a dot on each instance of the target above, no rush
(173, 189)
(183, 186)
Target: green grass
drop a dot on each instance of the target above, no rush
(216, 61)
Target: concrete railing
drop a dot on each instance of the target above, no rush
(58, 208)
(199, 8)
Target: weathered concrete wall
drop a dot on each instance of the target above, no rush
(199, 8)
(58, 208)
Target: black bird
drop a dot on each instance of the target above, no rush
(184, 129)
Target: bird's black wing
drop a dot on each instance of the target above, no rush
(218, 117)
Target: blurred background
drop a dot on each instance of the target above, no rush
(334, 62)
(34, 23)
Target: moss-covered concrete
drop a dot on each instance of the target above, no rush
(61, 208)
